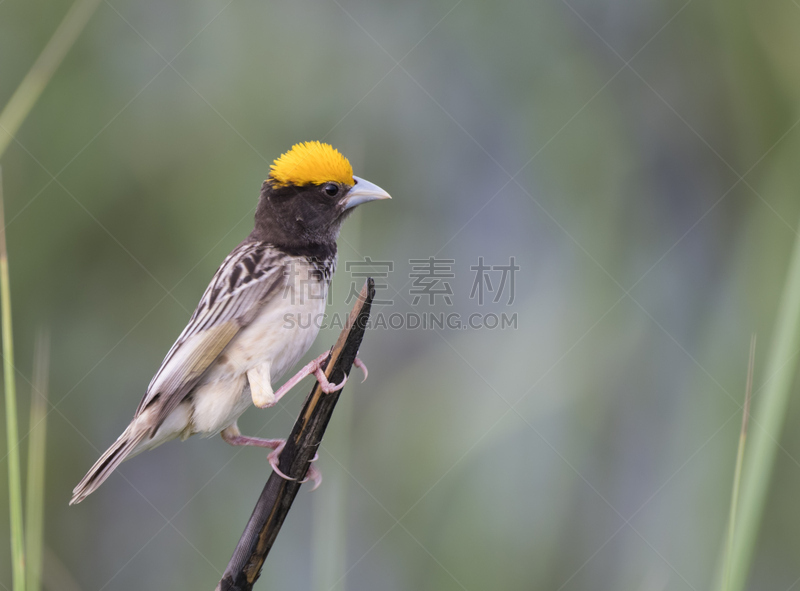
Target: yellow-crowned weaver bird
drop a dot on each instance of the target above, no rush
(238, 342)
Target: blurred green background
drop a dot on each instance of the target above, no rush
(637, 159)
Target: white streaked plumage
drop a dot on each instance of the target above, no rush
(257, 318)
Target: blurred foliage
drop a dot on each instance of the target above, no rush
(638, 159)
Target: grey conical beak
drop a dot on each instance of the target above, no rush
(363, 192)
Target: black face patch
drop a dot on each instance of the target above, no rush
(301, 220)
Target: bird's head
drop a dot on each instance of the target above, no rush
(309, 193)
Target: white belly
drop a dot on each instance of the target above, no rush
(279, 336)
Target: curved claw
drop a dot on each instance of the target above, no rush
(312, 474)
(274, 457)
(315, 475)
(360, 365)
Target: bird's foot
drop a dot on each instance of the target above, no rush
(233, 437)
(315, 368)
(311, 368)
(312, 474)
(325, 385)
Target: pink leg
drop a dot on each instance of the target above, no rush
(232, 436)
(307, 370)
(313, 368)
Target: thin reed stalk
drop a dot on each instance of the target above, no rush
(35, 81)
(768, 416)
(12, 430)
(737, 473)
(37, 446)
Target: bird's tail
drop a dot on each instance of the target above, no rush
(108, 462)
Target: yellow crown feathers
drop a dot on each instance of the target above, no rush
(311, 163)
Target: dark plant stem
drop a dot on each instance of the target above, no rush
(278, 495)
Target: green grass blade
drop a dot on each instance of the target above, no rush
(768, 416)
(737, 474)
(37, 446)
(46, 64)
(11, 118)
(12, 432)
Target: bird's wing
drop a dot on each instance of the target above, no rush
(252, 274)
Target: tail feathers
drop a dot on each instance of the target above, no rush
(108, 462)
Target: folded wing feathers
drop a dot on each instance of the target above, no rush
(248, 277)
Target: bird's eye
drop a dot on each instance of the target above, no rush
(331, 189)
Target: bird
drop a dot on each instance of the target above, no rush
(238, 341)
